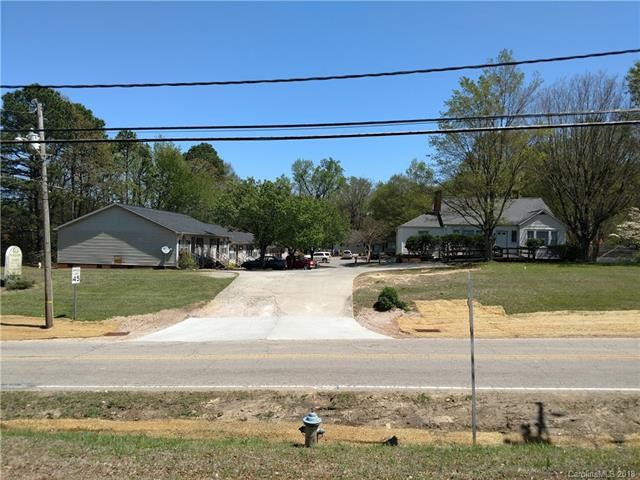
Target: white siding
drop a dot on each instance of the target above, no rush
(543, 222)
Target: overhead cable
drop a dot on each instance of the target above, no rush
(446, 131)
(370, 123)
(332, 77)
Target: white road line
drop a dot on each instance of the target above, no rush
(321, 387)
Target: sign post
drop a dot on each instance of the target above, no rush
(75, 280)
(474, 425)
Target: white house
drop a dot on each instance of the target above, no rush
(522, 219)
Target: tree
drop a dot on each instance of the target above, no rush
(371, 231)
(591, 173)
(421, 174)
(633, 83)
(259, 207)
(397, 201)
(484, 168)
(204, 160)
(134, 162)
(628, 232)
(352, 200)
(176, 189)
(322, 181)
(80, 175)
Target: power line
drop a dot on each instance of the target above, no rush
(335, 135)
(370, 123)
(333, 77)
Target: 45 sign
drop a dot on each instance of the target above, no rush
(75, 275)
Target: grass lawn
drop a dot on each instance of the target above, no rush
(105, 293)
(31, 454)
(518, 287)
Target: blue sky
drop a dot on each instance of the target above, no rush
(103, 42)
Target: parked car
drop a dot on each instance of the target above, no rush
(269, 261)
(346, 255)
(304, 263)
(322, 257)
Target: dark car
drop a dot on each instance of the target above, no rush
(303, 262)
(267, 262)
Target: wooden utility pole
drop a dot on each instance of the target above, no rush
(474, 421)
(48, 286)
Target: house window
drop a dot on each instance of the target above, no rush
(530, 234)
(543, 235)
(554, 237)
(514, 236)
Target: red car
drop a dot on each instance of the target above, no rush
(305, 263)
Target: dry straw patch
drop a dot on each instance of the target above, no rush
(450, 318)
(288, 432)
(16, 327)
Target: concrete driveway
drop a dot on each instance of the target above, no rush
(278, 305)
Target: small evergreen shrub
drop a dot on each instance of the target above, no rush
(388, 300)
(186, 261)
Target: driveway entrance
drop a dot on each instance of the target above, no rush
(277, 305)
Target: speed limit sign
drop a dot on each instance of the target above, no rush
(75, 275)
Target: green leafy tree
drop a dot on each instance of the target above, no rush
(484, 168)
(176, 189)
(204, 160)
(322, 181)
(310, 224)
(259, 207)
(421, 174)
(397, 201)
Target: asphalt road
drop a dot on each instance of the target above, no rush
(518, 364)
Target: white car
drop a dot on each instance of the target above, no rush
(346, 255)
(322, 257)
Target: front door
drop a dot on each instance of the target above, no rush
(502, 239)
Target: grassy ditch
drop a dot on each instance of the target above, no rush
(518, 287)
(106, 293)
(62, 455)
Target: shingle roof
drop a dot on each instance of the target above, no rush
(241, 238)
(515, 212)
(178, 222)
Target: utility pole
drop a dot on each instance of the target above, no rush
(474, 418)
(48, 286)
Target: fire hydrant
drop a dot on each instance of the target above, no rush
(311, 429)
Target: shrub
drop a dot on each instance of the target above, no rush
(535, 242)
(17, 283)
(388, 300)
(419, 244)
(186, 261)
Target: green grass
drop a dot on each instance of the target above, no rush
(31, 454)
(521, 288)
(104, 293)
